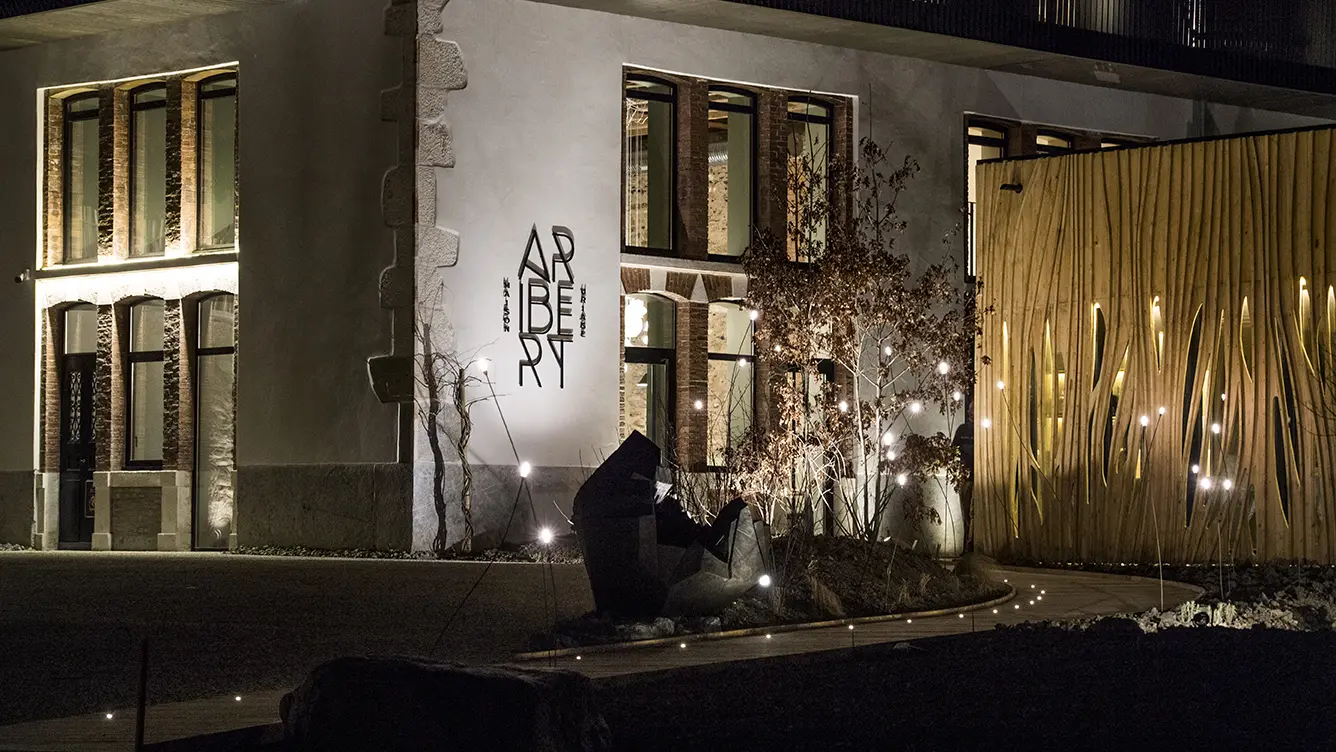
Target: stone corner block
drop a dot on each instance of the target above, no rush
(440, 64)
(429, 17)
(435, 145)
(396, 196)
(431, 102)
(426, 197)
(437, 247)
(396, 287)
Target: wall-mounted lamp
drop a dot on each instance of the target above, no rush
(23, 276)
(1013, 187)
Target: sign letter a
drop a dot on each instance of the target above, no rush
(539, 268)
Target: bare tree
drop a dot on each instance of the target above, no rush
(863, 344)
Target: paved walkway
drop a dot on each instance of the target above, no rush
(1040, 595)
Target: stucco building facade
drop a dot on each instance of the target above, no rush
(555, 192)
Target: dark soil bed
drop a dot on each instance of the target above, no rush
(563, 550)
(817, 579)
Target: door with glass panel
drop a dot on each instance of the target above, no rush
(78, 446)
(215, 455)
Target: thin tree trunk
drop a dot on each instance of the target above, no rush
(462, 447)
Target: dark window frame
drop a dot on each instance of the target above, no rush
(752, 109)
(1046, 150)
(134, 107)
(734, 358)
(827, 120)
(133, 357)
(196, 353)
(67, 134)
(671, 98)
(665, 356)
(201, 97)
(970, 265)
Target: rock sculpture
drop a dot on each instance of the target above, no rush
(646, 557)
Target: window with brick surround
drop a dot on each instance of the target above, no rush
(144, 376)
(217, 143)
(810, 122)
(650, 341)
(215, 383)
(148, 170)
(732, 165)
(730, 379)
(649, 178)
(79, 172)
(140, 168)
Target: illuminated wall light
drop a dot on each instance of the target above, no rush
(994, 610)
(682, 645)
(579, 657)
(109, 716)
(768, 636)
(851, 626)
(944, 368)
(525, 469)
(237, 698)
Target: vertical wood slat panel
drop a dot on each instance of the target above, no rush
(1204, 226)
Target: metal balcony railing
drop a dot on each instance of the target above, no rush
(1294, 40)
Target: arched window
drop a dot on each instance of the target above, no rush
(144, 409)
(650, 340)
(82, 149)
(216, 226)
(730, 379)
(650, 155)
(1051, 142)
(148, 170)
(215, 424)
(809, 130)
(732, 170)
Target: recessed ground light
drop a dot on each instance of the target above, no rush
(682, 645)
(109, 716)
(579, 657)
(238, 698)
(767, 637)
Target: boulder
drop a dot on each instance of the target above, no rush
(391, 704)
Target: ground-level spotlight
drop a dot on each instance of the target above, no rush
(579, 657)
(545, 536)
(851, 626)
(1031, 603)
(962, 616)
(682, 645)
(110, 716)
(994, 610)
(525, 469)
(1043, 591)
(1039, 597)
(1018, 606)
(768, 636)
(237, 698)
(764, 581)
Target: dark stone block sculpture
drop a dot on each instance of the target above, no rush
(646, 557)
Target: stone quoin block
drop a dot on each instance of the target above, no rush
(396, 196)
(431, 102)
(435, 145)
(440, 64)
(396, 287)
(437, 247)
(426, 198)
(429, 16)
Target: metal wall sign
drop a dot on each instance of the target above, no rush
(545, 299)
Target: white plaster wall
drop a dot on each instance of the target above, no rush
(536, 135)
(313, 241)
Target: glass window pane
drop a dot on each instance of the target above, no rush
(648, 170)
(810, 109)
(217, 171)
(216, 321)
(81, 330)
(215, 455)
(148, 180)
(808, 200)
(1050, 143)
(650, 322)
(730, 181)
(648, 396)
(730, 331)
(146, 326)
(730, 406)
(81, 185)
(146, 411)
(979, 131)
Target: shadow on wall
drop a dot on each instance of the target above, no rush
(943, 536)
(502, 510)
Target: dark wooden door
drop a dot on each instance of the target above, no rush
(78, 450)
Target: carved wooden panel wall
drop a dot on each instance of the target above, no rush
(1163, 328)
